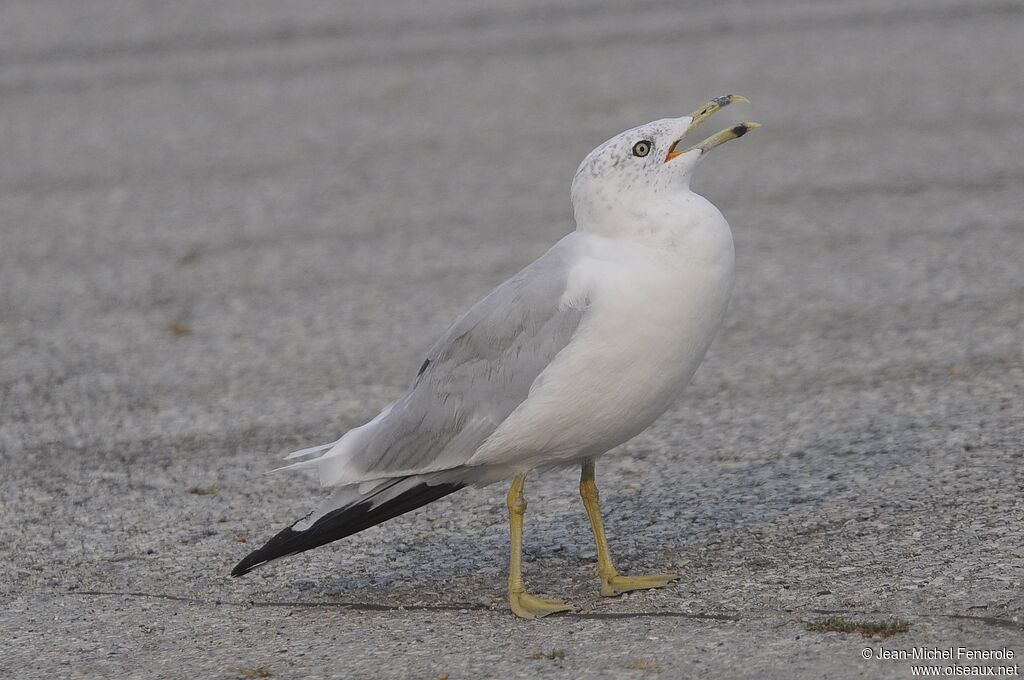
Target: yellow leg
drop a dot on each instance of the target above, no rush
(612, 583)
(523, 604)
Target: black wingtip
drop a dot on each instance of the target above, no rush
(281, 545)
(341, 523)
(249, 563)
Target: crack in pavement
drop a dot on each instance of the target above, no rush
(760, 614)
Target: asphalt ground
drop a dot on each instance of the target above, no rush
(229, 230)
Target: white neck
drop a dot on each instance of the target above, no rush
(684, 221)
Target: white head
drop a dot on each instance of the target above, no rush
(631, 178)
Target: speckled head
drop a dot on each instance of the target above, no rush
(630, 173)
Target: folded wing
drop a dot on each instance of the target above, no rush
(472, 378)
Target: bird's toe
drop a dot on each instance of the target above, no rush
(618, 584)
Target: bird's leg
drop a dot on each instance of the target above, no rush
(612, 583)
(523, 604)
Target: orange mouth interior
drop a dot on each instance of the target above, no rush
(672, 153)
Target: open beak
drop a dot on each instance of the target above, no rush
(701, 115)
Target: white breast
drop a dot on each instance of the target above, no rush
(652, 312)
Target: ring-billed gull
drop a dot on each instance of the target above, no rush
(574, 355)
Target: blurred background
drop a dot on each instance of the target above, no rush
(231, 229)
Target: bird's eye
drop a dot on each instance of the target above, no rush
(641, 148)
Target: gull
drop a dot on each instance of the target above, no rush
(574, 355)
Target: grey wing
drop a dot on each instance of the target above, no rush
(478, 372)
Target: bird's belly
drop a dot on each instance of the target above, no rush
(637, 351)
(658, 345)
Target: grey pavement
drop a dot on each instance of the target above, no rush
(232, 229)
